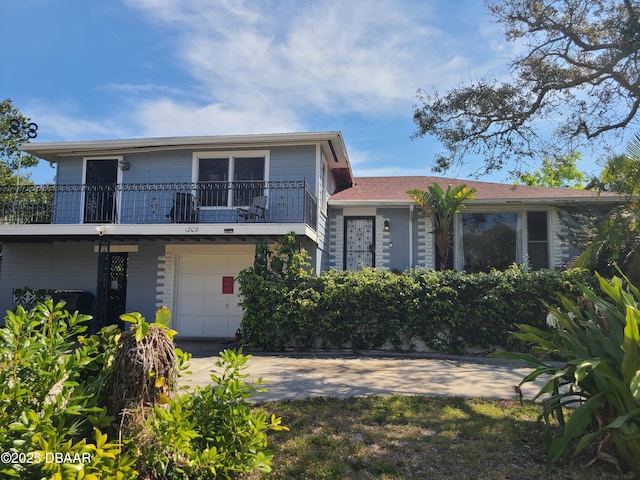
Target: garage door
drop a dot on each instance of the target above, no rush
(207, 300)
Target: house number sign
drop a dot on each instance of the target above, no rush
(191, 229)
(30, 129)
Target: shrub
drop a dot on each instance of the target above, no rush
(598, 343)
(446, 310)
(212, 433)
(53, 397)
(56, 383)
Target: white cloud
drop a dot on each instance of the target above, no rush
(147, 89)
(168, 118)
(263, 66)
(271, 64)
(60, 122)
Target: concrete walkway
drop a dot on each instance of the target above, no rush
(301, 376)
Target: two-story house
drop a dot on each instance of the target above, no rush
(140, 223)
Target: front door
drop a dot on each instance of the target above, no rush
(100, 191)
(111, 289)
(360, 245)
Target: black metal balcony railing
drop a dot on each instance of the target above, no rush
(153, 203)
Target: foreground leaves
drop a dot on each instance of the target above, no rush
(598, 341)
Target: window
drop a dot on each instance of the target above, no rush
(537, 240)
(229, 180)
(213, 182)
(489, 240)
(499, 239)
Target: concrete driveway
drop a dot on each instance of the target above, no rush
(338, 375)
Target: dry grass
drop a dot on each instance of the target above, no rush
(402, 437)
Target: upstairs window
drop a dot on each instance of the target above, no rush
(229, 180)
(213, 182)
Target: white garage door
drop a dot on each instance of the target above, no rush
(204, 307)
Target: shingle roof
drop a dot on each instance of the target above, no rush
(394, 190)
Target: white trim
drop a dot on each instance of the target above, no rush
(50, 232)
(496, 202)
(52, 151)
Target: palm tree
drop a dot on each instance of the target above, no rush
(440, 207)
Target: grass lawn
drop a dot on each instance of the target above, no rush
(402, 437)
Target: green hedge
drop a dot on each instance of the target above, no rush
(447, 311)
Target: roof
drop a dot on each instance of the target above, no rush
(393, 190)
(331, 143)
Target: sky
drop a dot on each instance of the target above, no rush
(113, 69)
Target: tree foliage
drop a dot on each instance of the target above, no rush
(579, 68)
(558, 171)
(14, 130)
(440, 207)
(616, 243)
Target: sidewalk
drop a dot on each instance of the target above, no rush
(336, 375)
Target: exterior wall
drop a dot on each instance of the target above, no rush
(74, 266)
(287, 163)
(293, 163)
(410, 242)
(395, 242)
(407, 244)
(151, 274)
(561, 254)
(58, 266)
(322, 194)
(143, 278)
(425, 251)
(336, 238)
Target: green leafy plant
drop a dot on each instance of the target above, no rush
(212, 433)
(446, 311)
(53, 396)
(598, 343)
(440, 207)
(54, 422)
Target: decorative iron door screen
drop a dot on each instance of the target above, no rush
(359, 243)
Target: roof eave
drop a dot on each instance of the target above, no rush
(487, 201)
(52, 151)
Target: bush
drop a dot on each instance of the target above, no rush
(53, 397)
(54, 421)
(598, 342)
(446, 310)
(212, 433)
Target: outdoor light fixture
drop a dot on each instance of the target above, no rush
(386, 227)
(123, 164)
(102, 229)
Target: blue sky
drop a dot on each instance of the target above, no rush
(88, 70)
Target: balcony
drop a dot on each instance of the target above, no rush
(160, 203)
